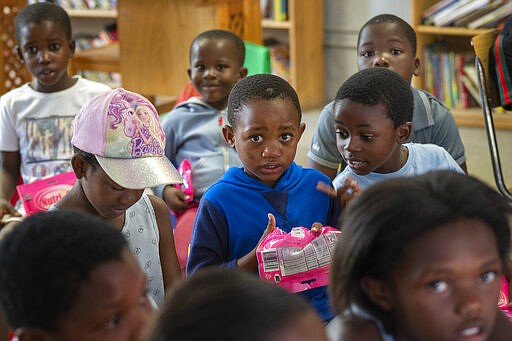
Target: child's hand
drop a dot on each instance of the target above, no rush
(6, 209)
(271, 225)
(344, 194)
(316, 227)
(175, 198)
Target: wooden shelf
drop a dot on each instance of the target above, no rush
(272, 24)
(474, 118)
(92, 13)
(449, 31)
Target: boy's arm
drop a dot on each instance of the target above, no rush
(168, 258)
(323, 153)
(9, 174)
(210, 238)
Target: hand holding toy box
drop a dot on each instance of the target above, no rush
(299, 260)
(39, 195)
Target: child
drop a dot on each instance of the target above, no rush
(390, 42)
(36, 118)
(421, 258)
(373, 113)
(221, 304)
(70, 276)
(264, 126)
(193, 129)
(116, 157)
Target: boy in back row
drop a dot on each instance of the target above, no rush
(264, 126)
(194, 128)
(389, 42)
(36, 118)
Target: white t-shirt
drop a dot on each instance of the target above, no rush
(422, 159)
(39, 125)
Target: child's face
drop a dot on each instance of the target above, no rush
(46, 51)
(446, 285)
(112, 304)
(367, 139)
(385, 45)
(214, 70)
(265, 138)
(109, 200)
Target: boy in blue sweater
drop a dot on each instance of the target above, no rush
(264, 126)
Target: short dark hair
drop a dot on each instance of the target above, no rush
(88, 157)
(227, 304)
(45, 260)
(389, 215)
(260, 87)
(222, 35)
(42, 11)
(379, 85)
(407, 29)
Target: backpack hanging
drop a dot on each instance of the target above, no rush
(500, 61)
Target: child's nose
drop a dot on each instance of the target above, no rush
(469, 304)
(380, 60)
(351, 145)
(210, 73)
(271, 149)
(130, 197)
(44, 56)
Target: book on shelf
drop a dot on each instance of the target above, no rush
(462, 22)
(458, 10)
(437, 7)
(87, 4)
(493, 18)
(274, 9)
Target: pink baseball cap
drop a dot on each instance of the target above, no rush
(122, 129)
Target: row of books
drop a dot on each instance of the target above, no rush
(472, 14)
(106, 36)
(451, 76)
(83, 4)
(274, 9)
(279, 58)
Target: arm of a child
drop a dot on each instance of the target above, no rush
(344, 194)
(9, 174)
(174, 198)
(249, 262)
(356, 328)
(168, 258)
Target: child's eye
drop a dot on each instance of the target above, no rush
(200, 68)
(488, 277)
(256, 138)
(54, 47)
(117, 189)
(221, 67)
(438, 286)
(286, 137)
(396, 51)
(342, 133)
(366, 137)
(113, 322)
(31, 49)
(367, 54)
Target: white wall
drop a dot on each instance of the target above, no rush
(343, 19)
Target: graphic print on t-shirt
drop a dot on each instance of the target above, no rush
(49, 138)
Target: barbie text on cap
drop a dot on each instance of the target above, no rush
(122, 129)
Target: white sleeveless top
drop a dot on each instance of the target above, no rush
(141, 231)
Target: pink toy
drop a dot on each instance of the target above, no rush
(185, 170)
(298, 260)
(39, 195)
(504, 299)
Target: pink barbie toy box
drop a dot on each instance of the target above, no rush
(39, 195)
(299, 260)
(504, 299)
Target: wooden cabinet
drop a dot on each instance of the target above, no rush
(459, 39)
(304, 33)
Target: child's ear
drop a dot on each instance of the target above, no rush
(417, 67)
(32, 334)
(302, 128)
(229, 135)
(378, 292)
(243, 72)
(72, 47)
(189, 73)
(20, 54)
(403, 132)
(79, 165)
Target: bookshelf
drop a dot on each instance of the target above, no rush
(459, 40)
(303, 31)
